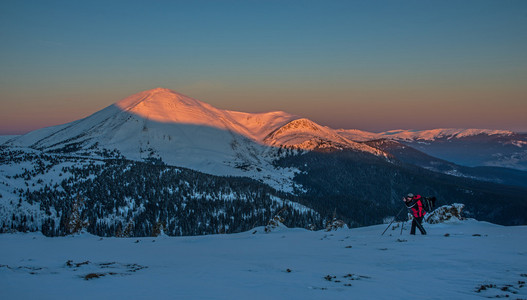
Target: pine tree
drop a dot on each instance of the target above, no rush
(75, 221)
(127, 232)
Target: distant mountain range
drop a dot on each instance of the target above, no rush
(318, 168)
(468, 147)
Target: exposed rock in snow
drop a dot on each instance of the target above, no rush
(336, 225)
(446, 213)
(276, 223)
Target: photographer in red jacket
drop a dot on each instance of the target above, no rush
(415, 204)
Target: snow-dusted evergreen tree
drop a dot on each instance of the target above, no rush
(76, 222)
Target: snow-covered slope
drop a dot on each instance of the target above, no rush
(259, 125)
(306, 134)
(5, 138)
(456, 260)
(358, 135)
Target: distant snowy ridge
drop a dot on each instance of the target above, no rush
(447, 133)
(467, 147)
(424, 135)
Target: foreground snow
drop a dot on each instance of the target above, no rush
(458, 260)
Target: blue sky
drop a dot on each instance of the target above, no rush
(372, 65)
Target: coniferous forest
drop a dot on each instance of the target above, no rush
(117, 197)
(112, 196)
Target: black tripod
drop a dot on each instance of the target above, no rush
(393, 220)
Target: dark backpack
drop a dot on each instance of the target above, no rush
(428, 203)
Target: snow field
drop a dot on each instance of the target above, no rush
(454, 261)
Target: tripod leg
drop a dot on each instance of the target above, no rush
(388, 227)
(392, 221)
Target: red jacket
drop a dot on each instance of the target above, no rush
(416, 206)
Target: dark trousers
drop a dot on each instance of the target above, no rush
(417, 222)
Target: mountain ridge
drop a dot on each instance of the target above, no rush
(172, 121)
(425, 135)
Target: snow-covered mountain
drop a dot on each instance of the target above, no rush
(185, 132)
(160, 117)
(152, 124)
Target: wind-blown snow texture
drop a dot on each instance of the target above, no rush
(457, 260)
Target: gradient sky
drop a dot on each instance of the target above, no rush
(370, 65)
